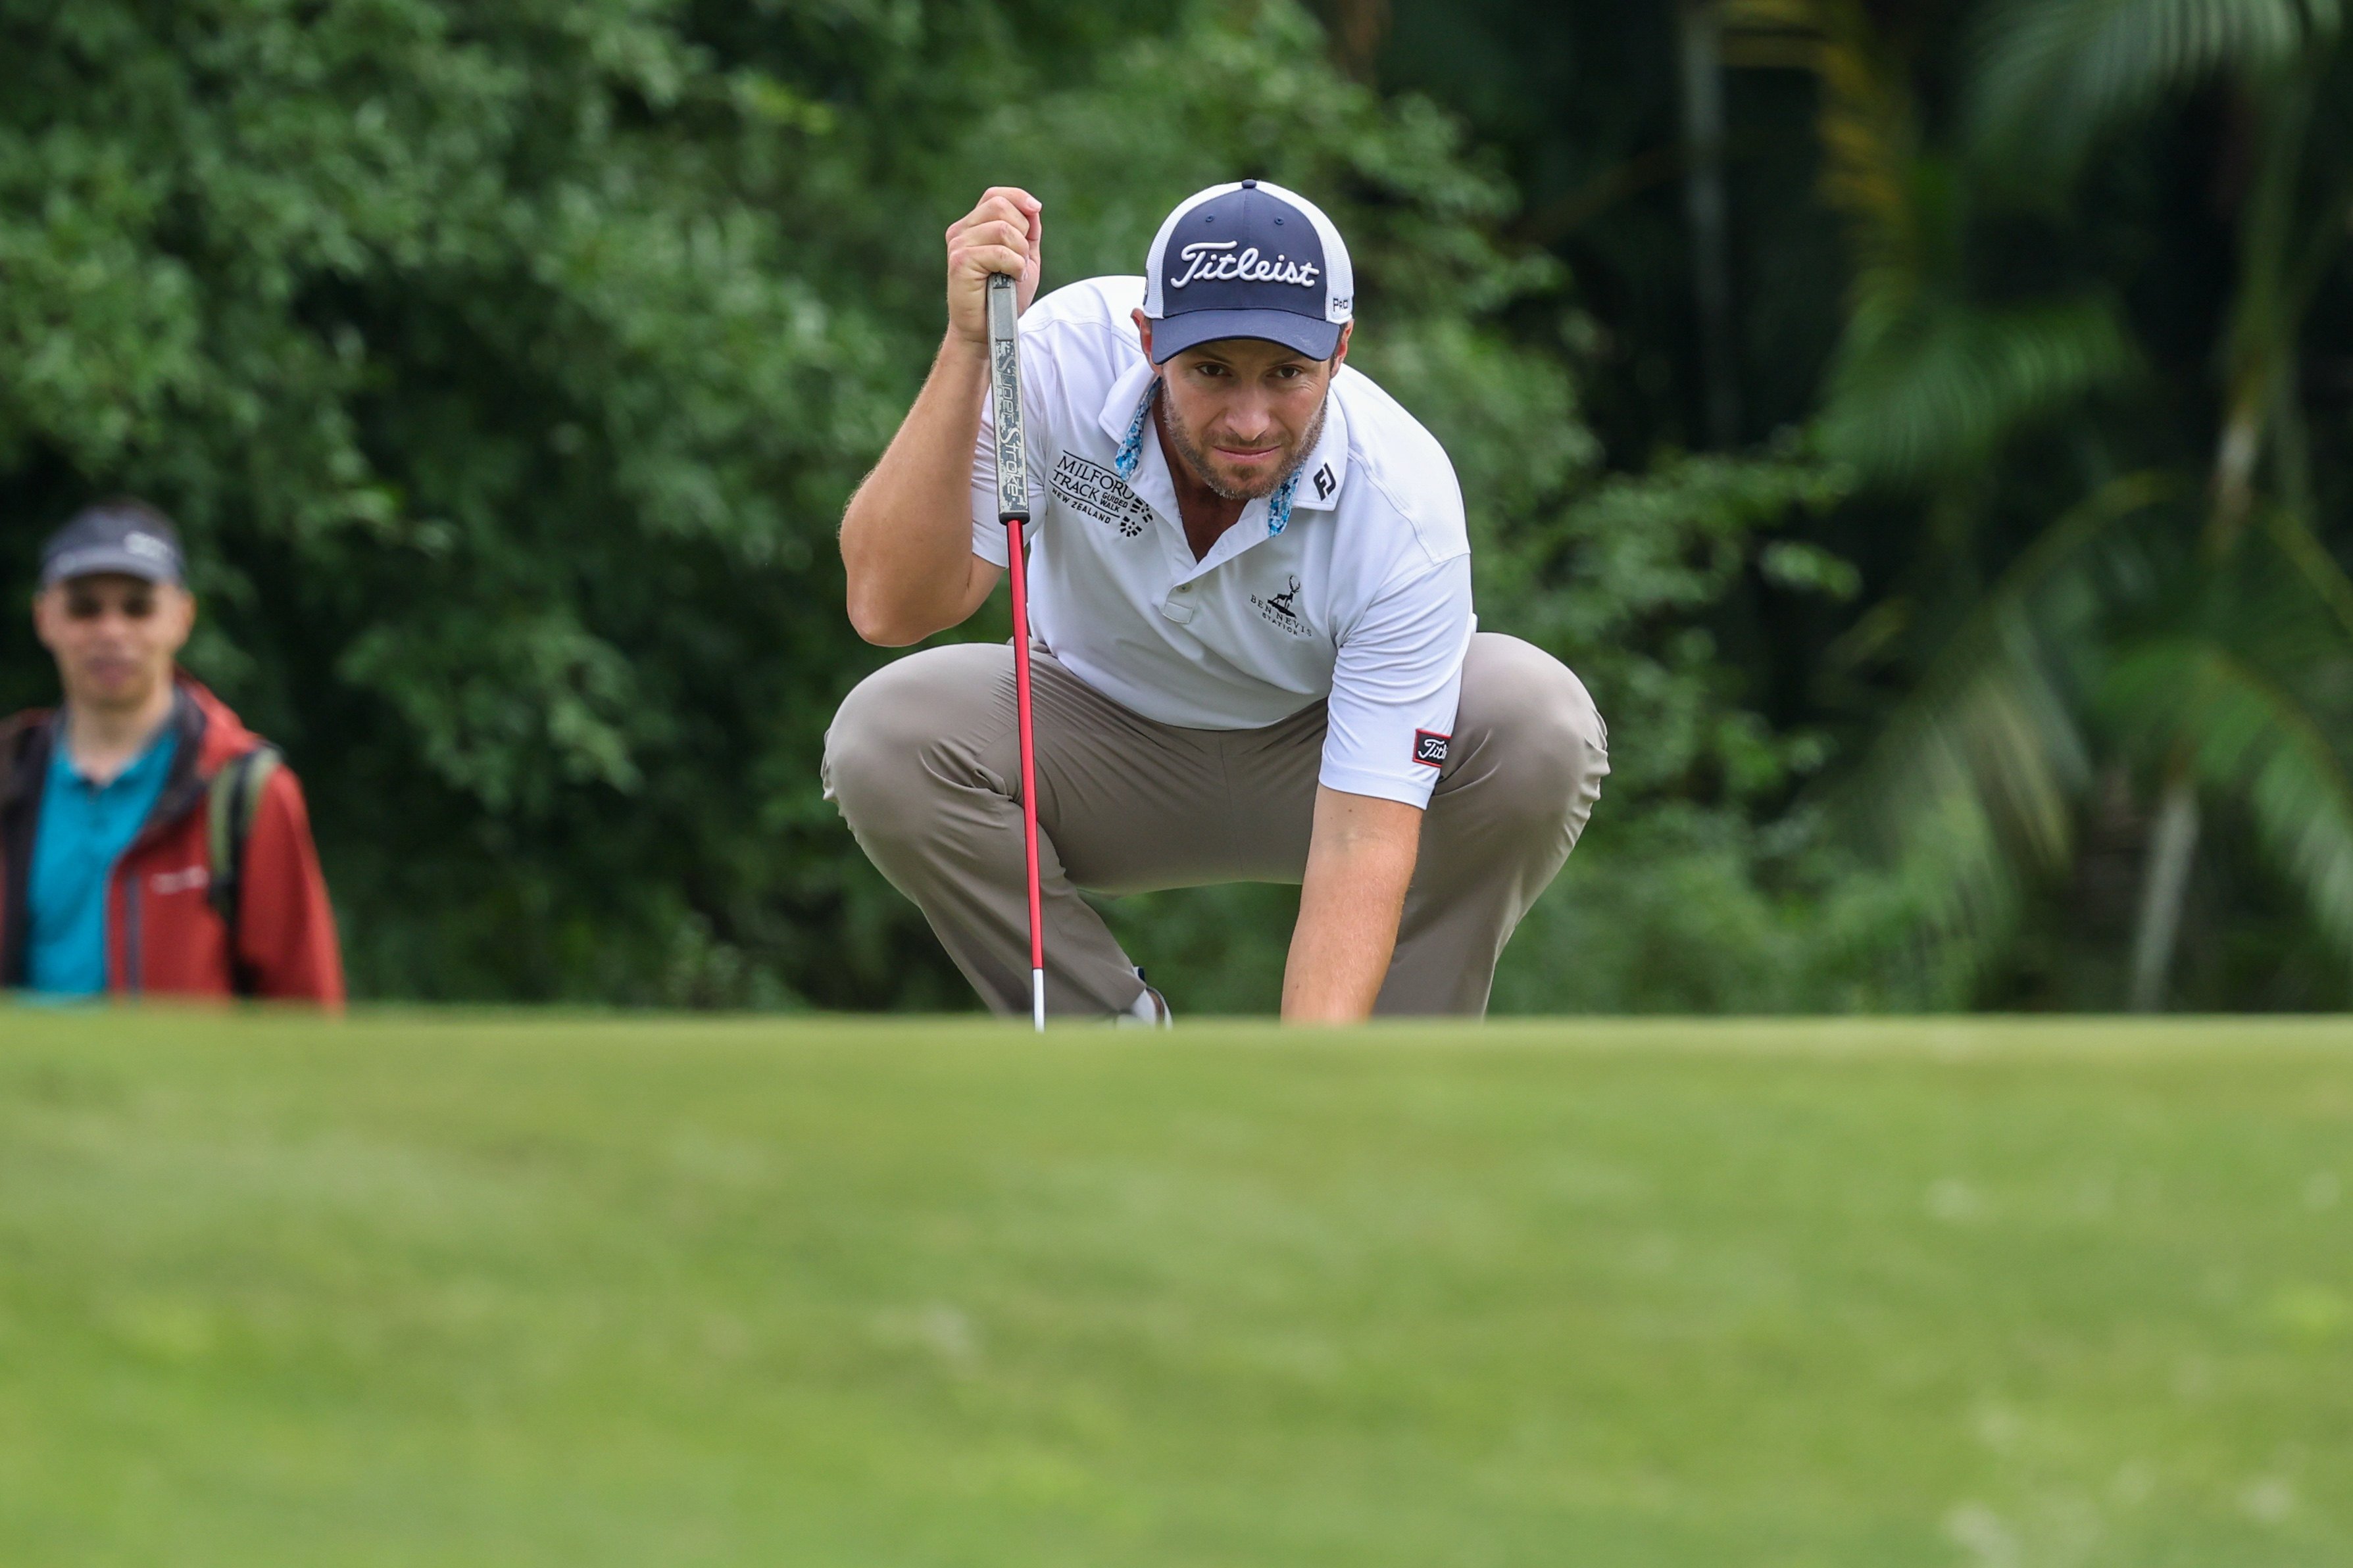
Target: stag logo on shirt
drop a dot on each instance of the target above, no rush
(1280, 611)
(1102, 494)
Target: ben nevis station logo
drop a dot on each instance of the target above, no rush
(1280, 611)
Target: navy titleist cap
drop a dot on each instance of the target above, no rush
(1247, 260)
(127, 537)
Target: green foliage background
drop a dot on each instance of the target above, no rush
(508, 363)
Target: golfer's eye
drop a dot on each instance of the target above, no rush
(138, 606)
(83, 609)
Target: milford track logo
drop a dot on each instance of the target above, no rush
(1280, 611)
(1100, 494)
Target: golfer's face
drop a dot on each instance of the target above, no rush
(114, 638)
(1245, 410)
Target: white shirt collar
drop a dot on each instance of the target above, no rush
(1119, 407)
(1326, 468)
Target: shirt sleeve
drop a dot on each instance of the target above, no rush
(987, 532)
(1394, 686)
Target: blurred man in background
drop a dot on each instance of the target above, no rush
(150, 843)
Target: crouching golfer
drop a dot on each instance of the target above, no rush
(149, 842)
(1255, 654)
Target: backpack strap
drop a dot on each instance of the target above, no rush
(16, 742)
(232, 804)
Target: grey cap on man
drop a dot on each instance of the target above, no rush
(119, 537)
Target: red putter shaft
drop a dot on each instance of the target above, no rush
(1013, 512)
(1021, 690)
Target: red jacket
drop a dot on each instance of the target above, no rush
(162, 936)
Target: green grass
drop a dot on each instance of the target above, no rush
(523, 1291)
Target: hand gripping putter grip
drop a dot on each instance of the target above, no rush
(1013, 512)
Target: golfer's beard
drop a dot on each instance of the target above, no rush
(1199, 461)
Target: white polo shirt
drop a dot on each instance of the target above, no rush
(1360, 597)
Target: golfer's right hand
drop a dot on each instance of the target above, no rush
(1001, 235)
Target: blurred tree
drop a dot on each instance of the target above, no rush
(2022, 356)
(504, 432)
(2147, 642)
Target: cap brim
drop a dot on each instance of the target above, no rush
(1174, 335)
(106, 560)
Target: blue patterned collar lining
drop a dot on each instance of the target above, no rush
(1278, 505)
(1131, 454)
(1131, 446)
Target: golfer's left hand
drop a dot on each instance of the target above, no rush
(1005, 233)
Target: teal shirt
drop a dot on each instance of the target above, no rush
(83, 830)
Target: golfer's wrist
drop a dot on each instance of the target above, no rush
(960, 350)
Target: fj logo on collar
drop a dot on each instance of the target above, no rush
(1429, 749)
(1325, 483)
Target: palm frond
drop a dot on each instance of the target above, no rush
(1925, 387)
(2251, 739)
(1925, 383)
(1972, 784)
(2312, 565)
(1867, 126)
(2050, 75)
(2002, 738)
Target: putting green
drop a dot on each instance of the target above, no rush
(530, 1289)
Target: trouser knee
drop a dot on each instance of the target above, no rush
(1565, 736)
(877, 755)
(1548, 747)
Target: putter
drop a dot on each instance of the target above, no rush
(1013, 512)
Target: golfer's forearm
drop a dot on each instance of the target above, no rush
(1360, 861)
(906, 540)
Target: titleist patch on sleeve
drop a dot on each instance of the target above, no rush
(1430, 749)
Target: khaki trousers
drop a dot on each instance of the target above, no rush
(922, 760)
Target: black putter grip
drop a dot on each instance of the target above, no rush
(1005, 386)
